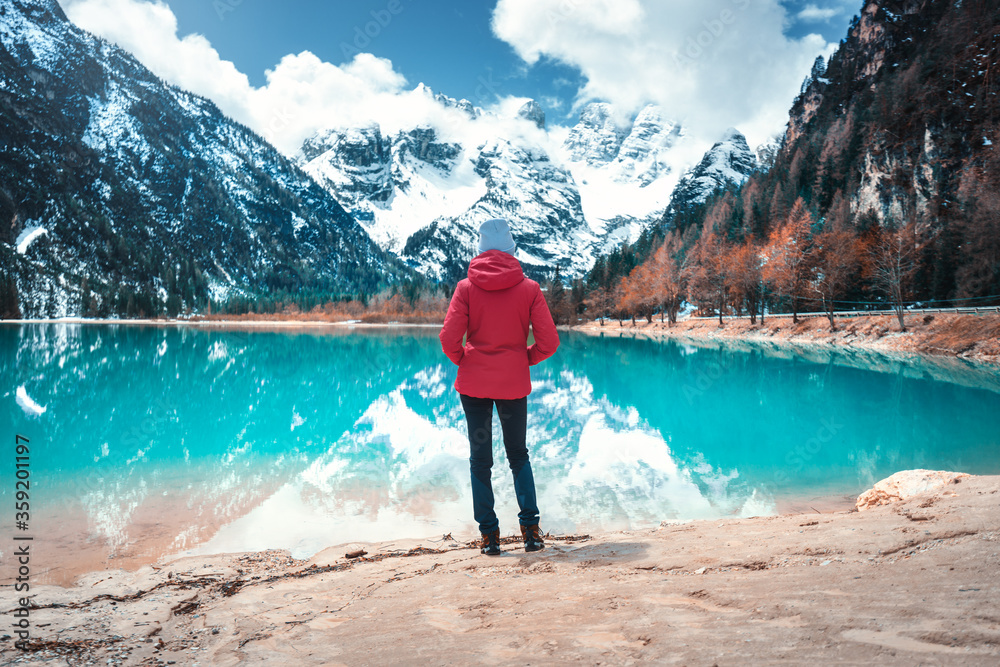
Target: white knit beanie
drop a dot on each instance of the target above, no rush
(495, 235)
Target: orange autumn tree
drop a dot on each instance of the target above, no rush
(789, 256)
(745, 272)
(639, 295)
(838, 261)
(709, 274)
(669, 281)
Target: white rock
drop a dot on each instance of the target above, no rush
(905, 484)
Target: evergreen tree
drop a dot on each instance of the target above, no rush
(557, 299)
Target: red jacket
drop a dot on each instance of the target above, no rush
(492, 308)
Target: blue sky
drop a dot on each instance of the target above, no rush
(449, 46)
(291, 69)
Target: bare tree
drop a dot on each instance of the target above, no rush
(893, 257)
(669, 277)
(838, 255)
(599, 302)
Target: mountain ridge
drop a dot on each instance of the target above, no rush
(152, 201)
(607, 182)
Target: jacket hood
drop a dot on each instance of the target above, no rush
(495, 270)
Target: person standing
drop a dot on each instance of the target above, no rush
(491, 310)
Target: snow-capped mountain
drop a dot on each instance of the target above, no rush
(393, 186)
(532, 111)
(767, 151)
(626, 170)
(423, 197)
(537, 197)
(728, 162)
(597, 137)
(122, 194)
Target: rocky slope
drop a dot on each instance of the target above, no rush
(423, 198)
(729, 162)
(121, 194)
(626, 169)
(538, 198)
(392, 185)
(902, 125)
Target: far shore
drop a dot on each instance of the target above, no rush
(974, 337)
(254, 323)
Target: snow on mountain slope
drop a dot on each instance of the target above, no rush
(152, 199)
(393, 186)
(767, 151)
(597, 136)
(626, 172)
(537, 197)
(728, 161)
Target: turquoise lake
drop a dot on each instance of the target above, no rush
(148, 440)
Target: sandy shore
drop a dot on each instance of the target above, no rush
(966, 336)
(914, 582)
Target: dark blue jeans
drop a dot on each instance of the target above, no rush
(513, 422)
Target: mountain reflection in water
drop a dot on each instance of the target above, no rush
(149, 440)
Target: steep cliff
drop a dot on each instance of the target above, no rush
(899, 128)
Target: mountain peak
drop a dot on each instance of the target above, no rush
(816, 74)
(728, 162)
(596, 138)
(730, 135)
(533, 112)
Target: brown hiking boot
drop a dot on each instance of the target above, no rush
(491, 543)
(532, 538)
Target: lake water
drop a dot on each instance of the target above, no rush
(148, 440)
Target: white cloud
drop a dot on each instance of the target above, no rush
(553, 103)
(148, 30)
(813, 14)
(711, 64)
(302, 93)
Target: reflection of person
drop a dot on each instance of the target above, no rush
(492, 308)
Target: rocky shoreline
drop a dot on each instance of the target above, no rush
(973, 337)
